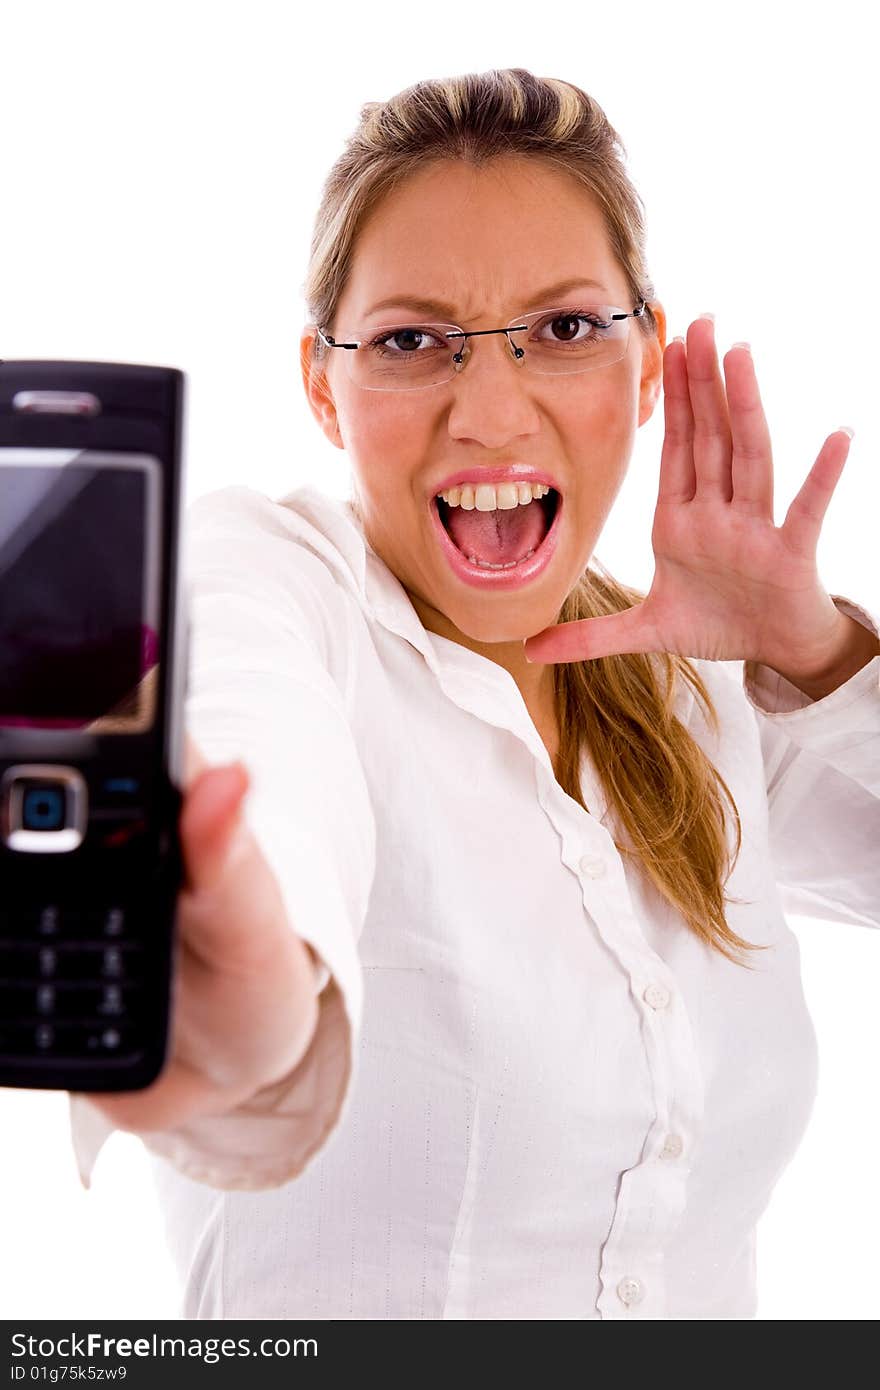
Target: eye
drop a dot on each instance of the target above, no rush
(573, 325)
(406, 341)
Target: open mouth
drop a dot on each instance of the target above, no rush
(503, 538)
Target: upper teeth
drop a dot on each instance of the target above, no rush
(485, 497)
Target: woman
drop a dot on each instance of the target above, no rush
(463, 1002)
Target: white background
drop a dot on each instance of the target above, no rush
(161, 166)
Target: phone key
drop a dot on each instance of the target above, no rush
(111, 1001)
(21, 959)
(99, 1002)
(48, 919)
(71, 960)
(111, 1039)
(114, 921)
(91, 922)
(45, 998)
(67, 922)
(107, 921)
(25, 1000)
(73, 923)
(71, 1040)
(112, 961)
(23, 921)
(27, 1038)
(29, 1002)
(100, 963)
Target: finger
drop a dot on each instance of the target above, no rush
(712, 440)
(803, 520)
(752, 463)
(233, 901)
(677, 479)
(614, 634)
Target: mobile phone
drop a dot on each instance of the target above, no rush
(93, 670)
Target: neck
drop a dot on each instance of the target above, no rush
(534, 681)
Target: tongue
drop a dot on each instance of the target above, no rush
(499, 536)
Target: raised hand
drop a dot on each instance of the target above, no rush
(728, 584)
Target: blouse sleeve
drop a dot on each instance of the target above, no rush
(822, 773)
(270, 632)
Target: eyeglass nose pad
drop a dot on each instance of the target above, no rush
(518, 352)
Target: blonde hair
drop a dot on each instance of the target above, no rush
(662, 789)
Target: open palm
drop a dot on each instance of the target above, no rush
(728, 584)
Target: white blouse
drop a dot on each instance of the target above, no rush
(532, 1091)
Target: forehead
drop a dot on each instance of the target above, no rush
(480, 240)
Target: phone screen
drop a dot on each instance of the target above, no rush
(80, 535)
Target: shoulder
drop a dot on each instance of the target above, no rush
(303, 541)
(285, 570)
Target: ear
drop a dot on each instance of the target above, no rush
(317, 388)
(652, 365)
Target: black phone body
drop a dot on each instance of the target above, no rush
(93, 669)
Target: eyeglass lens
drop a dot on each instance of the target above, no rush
(554, 342)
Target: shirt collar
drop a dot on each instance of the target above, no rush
(473, 682)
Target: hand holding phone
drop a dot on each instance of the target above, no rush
(93, 668)
(99, 846)
(245, 1006)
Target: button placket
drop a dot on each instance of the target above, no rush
(651, 1195)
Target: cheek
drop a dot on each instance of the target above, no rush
(382, 434)
(387, 441)
(599, 432)
(598, 428)
(606, 401)
(374, 421)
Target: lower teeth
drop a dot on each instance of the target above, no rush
(486, 565)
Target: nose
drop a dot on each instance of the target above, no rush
(492, 400)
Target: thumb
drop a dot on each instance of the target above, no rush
(210, 817)
(614, 634)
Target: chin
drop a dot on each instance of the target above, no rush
(519, 622)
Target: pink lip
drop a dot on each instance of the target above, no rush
(484, 579)
(513, 473)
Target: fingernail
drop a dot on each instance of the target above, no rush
(847, 429)
(708, 316)
(678, 339)
(747, 346)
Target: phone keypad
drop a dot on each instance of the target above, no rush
(71, 981)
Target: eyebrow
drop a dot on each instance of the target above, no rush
(435, 306)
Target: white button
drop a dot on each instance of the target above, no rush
(630, 1291)
(672, 1147)
(657, 996)
(593, 865)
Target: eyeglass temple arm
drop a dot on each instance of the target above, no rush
(331, 342)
